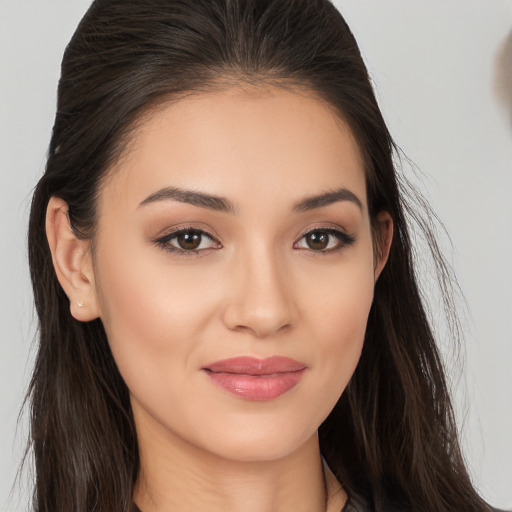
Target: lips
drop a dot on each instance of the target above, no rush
(256, 379)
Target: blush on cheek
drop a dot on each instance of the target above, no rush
(345, 331)
(127, 309)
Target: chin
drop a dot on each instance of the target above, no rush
(259, 443)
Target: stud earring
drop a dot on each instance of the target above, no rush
(80, 304)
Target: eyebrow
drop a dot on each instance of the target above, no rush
(221, 204)
(327, 198)
(201, 199)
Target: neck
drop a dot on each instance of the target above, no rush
(176, 476)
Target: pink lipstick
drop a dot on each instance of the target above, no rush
(256, 379)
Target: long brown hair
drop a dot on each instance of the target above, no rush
(391, 436)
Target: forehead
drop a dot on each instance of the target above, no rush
(268, 144)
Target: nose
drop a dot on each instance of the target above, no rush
(261, 300)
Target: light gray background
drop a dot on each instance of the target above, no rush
(442, 70)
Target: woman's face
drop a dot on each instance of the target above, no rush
(234, 269)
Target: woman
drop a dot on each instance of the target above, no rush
(229, 318)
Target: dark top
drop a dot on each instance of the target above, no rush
(358, 504)
(353, 504)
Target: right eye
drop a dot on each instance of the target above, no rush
(188, 241)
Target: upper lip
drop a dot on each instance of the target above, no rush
(249, 365)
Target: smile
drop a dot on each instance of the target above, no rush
(256, 379)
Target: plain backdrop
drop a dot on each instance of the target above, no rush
(442, 70)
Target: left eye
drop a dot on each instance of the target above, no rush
(187, 240)
(322, 240)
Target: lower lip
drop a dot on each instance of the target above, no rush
(256, 387)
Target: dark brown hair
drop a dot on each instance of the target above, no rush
(391, 436)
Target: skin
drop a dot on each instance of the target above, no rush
(256, 289)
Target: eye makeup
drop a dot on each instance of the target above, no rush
(194, 241)
(188, 241)
(324, 240)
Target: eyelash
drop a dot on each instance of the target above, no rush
(344, 239)
(164, 242)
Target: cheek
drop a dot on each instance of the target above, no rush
(152, 312)
(338, 318)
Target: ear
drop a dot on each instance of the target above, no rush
(72, 261)
(384, 237)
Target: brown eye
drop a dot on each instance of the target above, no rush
(324, 240)
(189, 240)
(318, 240)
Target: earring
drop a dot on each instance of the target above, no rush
(80, 304)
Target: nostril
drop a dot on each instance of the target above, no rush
(257, 323)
